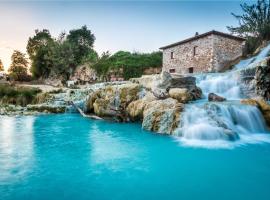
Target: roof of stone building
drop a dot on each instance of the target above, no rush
(196, 37)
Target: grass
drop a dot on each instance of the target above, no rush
(16, 95)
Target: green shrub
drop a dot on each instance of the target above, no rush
(254, 24)
(17, 95)
(252, 43)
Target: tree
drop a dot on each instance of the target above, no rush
(18, 67)
(134, 64)
(63, 60)
(42, 62)
(126, 64)
(1, 66)
(91, 57)
(255, 22)
(39, 49)
(40, 39)
(82, 41)
(59, 57)
(103, 65)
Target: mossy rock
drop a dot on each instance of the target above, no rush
(162, 116)
(43, 98)
(135, 109)
(91, 100)
(102, 108)
(46, 108)
(128, 93)
(182, 95)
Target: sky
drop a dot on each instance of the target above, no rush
(142, 26)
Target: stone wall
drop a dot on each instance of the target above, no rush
(184, 57)
(213, 53)
(84, 74)
(152, 70)
(226, 51)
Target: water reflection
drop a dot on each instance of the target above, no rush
(16, 147)
(112, 150)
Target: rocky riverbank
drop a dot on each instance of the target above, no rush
(157, 101)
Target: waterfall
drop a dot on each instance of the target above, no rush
(229, 84)
(207, 124)
(216, 124)
(220, 121)
(253, 60)
(225, 84)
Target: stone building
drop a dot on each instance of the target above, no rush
(209, 52)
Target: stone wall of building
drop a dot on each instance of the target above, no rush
(226, 52)
(213, 53)
(184, 57)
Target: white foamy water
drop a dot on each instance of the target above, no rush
(224, 144)
(213, 121)
(254, 60)
(226, 124)
(228, 84)
(223, 84)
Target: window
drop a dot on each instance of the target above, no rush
(172, 70)
(190, 70)
(195, 51)
(172, 55)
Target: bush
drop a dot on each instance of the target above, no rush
(252, 43)
(254, 24)
(17, 95)
(18, 68)
(126, 64)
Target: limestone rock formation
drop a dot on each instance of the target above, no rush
(151, 82)
(256, 79)
(160, 85)
(145, 81)
(262, 80)
(135, 109)
(179, 81)
(155, 100)
(215, 97)
(182, 95)
(162, 116)
(46, 108)
(84, 74)
(112, 101)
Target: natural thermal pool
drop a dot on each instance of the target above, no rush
(70, 157)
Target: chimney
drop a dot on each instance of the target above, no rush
(196, 34)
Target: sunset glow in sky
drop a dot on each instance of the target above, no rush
(123, 25)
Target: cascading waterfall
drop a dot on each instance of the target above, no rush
(220, 121)
(253, 60)
(225, 84)
(214, 124)
(228, 84)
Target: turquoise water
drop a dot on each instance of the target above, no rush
(69, 157)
